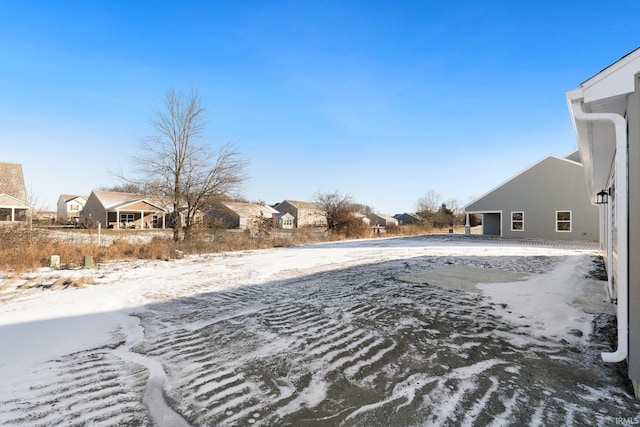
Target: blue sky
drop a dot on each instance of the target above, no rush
(383, 100)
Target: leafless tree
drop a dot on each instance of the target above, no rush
(429, 202)
(428, 206)
(177, 164)
(340, 213)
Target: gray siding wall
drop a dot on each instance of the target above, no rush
(93, 213)
(286, 207)
(491, 224)
(551, 185)
(633, 117)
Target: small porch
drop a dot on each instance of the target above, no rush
(140, 215)
(13, 209)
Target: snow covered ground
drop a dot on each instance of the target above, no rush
(434, 330)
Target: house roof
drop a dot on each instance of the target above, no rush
(605, 92)
(246, 210)
(12, 180)
(562, 159)
(385, 217)
(302, 205)
(69, 197)
(8, 201)
(112, 200)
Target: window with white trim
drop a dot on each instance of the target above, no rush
(517, 221)
(563, 221)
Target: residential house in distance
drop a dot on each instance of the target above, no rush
(13, 194)
(123, 211)
(548, 200)
(241, 215)
(605, 111)
(69, 207)
(362, 217)
(382, 220)
(305, 214)
(407, 218)
(285, 220)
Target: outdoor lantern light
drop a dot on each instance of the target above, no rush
(602, 197)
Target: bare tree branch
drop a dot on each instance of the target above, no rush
(174, 162)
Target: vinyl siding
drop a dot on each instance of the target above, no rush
(551, 185)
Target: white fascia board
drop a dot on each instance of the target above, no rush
(617, 79)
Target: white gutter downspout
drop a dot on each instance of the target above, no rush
(620, 125)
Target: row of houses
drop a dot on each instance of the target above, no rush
(137, 211)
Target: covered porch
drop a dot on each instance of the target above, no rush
(137, 215)
(13, 209)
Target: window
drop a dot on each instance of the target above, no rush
(563, 221)
(126, 217)
(517, 221)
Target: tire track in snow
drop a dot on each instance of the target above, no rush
(351, 347)
(153, 396)
(93, 387)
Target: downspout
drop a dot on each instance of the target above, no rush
(620, 125)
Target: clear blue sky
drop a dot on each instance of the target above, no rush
(384, 100)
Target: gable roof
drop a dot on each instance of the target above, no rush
(8, 201)
(70, 197)
(249, 210)
(383, 216)
(562, 159)
(302, 205)
(12, 180)
(111, 200)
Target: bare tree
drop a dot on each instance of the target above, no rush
(340, 213)
(428, 206)
(125, 187)
(429, 202)
(176, 164)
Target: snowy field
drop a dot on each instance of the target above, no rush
(421, 331)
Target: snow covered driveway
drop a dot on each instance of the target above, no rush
(384, 332)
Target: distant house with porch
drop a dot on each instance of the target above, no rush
(305, 214)
(13, 194)
(119, 210)
(548, 200)
(241, 215)
(605, 112)
(69, 207)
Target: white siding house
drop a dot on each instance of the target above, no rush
(605, 111)
(69, 207)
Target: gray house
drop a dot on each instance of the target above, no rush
(13, 194)
(548, 200)
(305, 214)
(118, 210)
(407, 218)
(382, 220)
(242, 215)
(605, 111)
